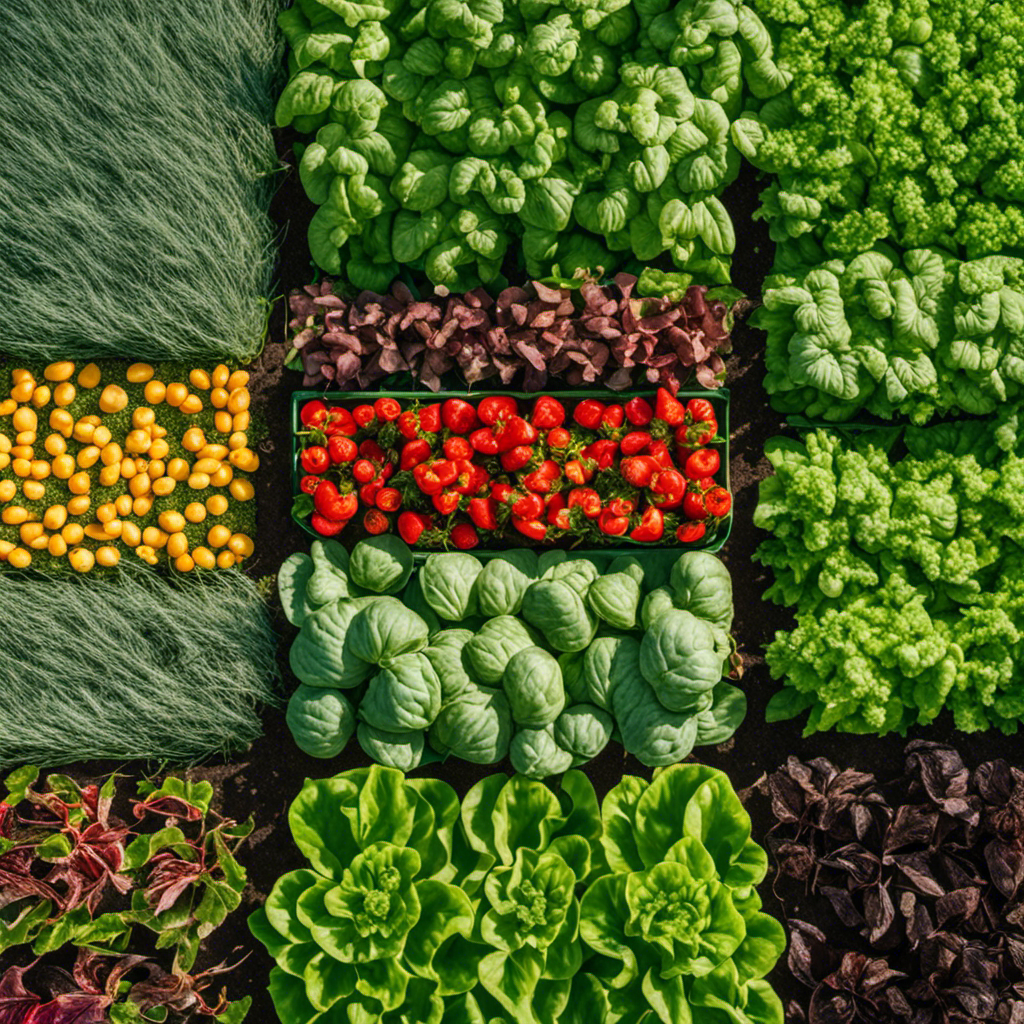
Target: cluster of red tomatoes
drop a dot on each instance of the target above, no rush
(448, 472)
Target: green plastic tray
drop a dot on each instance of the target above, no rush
(718, 398)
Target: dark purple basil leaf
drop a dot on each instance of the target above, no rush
(913, 825)
(942, 774)
(843, 905)
(917, 921)
(998, 783)
(880, 915)
(954, 906)
(1005, 863)
(917, 872)
(863, 867)
(810, 956)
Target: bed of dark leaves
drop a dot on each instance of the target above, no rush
(917, 885)
(587, 334)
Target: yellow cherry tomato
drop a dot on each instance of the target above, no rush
(34, 490)
(113, 399)
(107, 556)
(81, 559)
(72, 533)
(60, 371)
(79, 505)
(164, 485)
(89, 376)
(217, 536)
(154, 537)
(19, 558)
(204, 558)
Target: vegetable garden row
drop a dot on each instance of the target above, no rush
(415, 607)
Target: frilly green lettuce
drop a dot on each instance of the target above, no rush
(522, 904)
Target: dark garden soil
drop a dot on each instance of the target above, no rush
(264, 781)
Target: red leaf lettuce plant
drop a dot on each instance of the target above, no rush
(99, 990)
(918, 886)
(67, 864)
(580, 331)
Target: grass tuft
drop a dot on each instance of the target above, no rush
(137, 175)
(131, 665)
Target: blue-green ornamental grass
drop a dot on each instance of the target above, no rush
(522, 905)
(131, 665)
(543, 659)
(137, 176)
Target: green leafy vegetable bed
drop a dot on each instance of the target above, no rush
(523, 904)
(904, 122)
(907, 577)
(895, 153)
(913, 335)
(542, 659)
(449, 132)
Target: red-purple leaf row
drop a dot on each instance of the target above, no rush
(602, 334)
(914, 888)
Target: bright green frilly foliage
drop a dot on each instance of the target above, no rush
(137, 176)
(591, 130)
(907, 577)
(541, 659)
(524, 905)
(914, 335)
(904, 123)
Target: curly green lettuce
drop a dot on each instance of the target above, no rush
(906, 577)
(904, 122)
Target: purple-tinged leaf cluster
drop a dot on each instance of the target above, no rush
(87, 994)
(590, 334)
(916, 889)
(64, 856)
